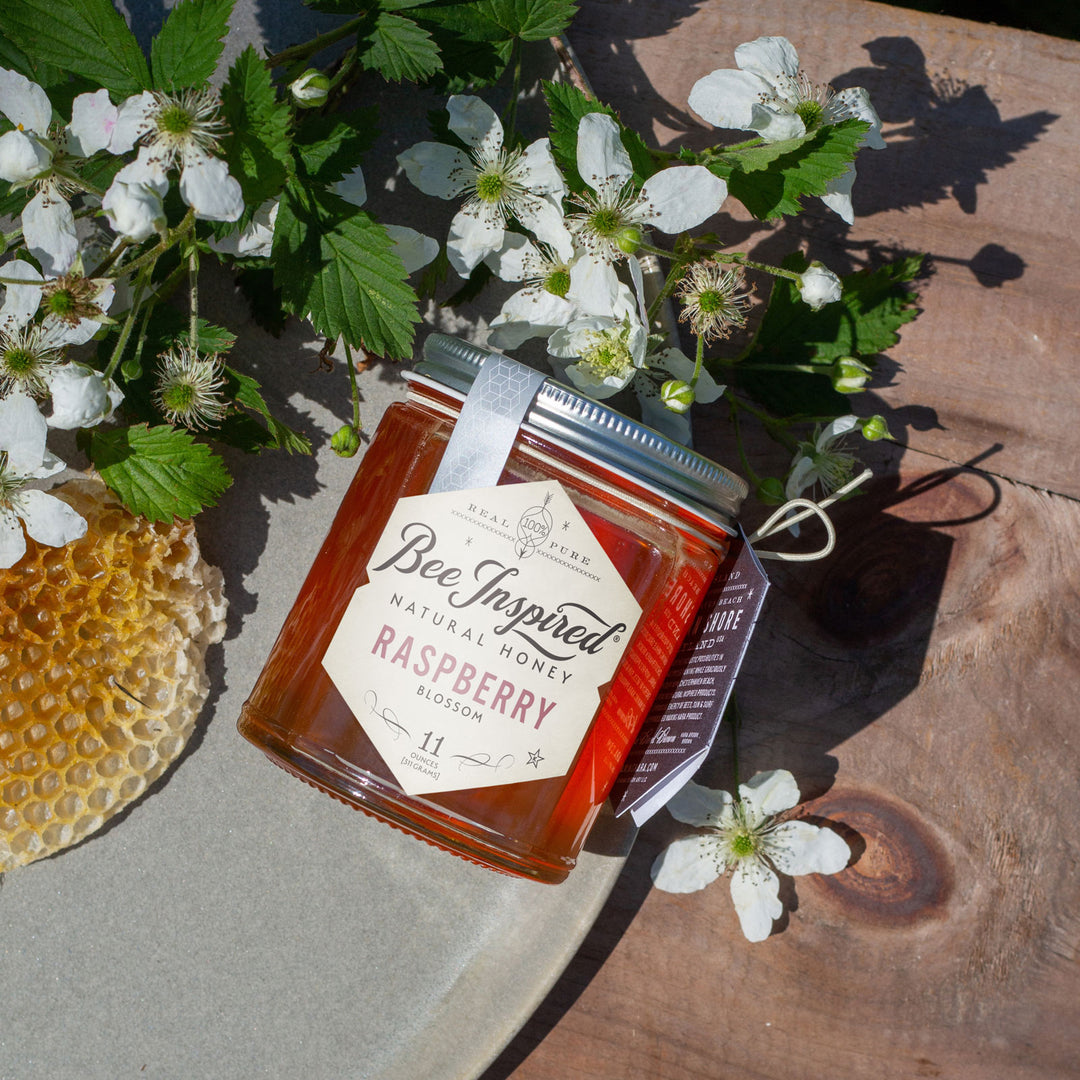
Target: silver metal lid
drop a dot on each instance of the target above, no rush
(596, 431)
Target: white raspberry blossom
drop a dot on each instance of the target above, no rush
(75, 307)
(501, 183)
(769, 94)
(23, 458)
(823, 462)
(28, 156)
(744, 837)
(178, 130)
(555, 291)
(608, 352)
(672, 200)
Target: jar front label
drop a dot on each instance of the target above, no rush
(477, 652)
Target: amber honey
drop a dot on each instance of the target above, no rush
(666, 556)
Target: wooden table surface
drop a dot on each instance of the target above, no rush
(922, 683)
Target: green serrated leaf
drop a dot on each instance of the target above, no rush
(158, 472)
(80, 37)
(530, 20)
(245, 391)
(399, 48)
(336, 265)
(331, 146)
(567, 105)
(168, 327)
(257, 146)
(771, 184)
(186, 51)
(863, 323)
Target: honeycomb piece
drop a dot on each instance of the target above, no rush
(102, 648)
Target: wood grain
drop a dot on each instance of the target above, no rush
(921, 683)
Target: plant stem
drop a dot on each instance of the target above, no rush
(741, 260)
(699, 361)
(167, 241)
(193, 285)
(129, 322)
(316, 44)
(353, 385)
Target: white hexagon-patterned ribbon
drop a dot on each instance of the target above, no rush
(485, 431)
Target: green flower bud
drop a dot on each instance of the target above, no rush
(677, 395)
(770, 491)
(849, 376)
(629, 240)
(874, 428)
(345, 441)
(311, 89)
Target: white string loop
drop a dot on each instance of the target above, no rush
(808, 508)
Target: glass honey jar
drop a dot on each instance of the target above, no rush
(472, 662)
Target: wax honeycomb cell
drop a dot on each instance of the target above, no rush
(102, 670)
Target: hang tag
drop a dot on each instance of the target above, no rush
(679, 731)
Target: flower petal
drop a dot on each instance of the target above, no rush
(22, 157)
(775, 125)
(475, 123)
(81, 397)
(726, 97)
(437, 169)
(24, 103)
(470, 239)
(530, 313)
(352, 187)
(512, 260)
(706, 390)
(135, 211)
(698, 805)
(145, 169)
(20, 301)
(543, 174)
(837, 195)
(601, 157)
(856, 100)
(93, 121)
(768, 57)
(687, 865)
(257, 240)
(768, 793)
(836, 430)
(797, 847)
(800, 478)
(49, 520)
(207, 187)
(413, 248)
(49, 231)
(594, 286)
(12, 539)
(22, 433)
(132, 122)
(755, 891)
(682, 197)
(544, 218)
